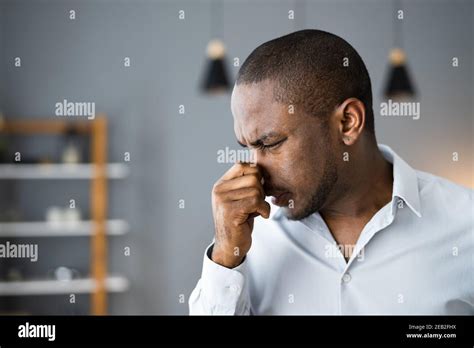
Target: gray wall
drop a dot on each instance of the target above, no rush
(174, 156)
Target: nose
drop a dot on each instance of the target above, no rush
(264, 165)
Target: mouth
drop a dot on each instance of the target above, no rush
(281, 199)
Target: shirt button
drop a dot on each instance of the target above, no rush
(346, 278)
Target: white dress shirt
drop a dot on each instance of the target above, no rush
(415, 256)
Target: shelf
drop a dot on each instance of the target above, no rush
(60, 171)
(98, 172)
(57, 287)
(59, 229)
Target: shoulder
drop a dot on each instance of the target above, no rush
(440, 195)
(430, 184)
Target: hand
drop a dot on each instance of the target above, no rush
(237, 198)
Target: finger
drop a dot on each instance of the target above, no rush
(264, 209)
(254, 205)
(241, 169)
(246, 181)
(246, 192)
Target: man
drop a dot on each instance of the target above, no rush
(359, 231)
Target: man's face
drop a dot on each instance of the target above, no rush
(295, 151)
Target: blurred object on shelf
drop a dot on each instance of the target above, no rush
(72, 152)
(54, 215)
(10, 214)
(14, 275)
(66, 274)
(71, 215)
(45, 160)
(58, 216)
(63, 273)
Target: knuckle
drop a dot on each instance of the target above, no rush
(240, 166)
(255, 192)
(216, 187)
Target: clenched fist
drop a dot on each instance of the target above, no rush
(237, 198)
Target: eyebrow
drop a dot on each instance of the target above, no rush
(261, 140)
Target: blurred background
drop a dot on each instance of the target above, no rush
(143, 64)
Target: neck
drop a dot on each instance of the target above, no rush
(369, 187)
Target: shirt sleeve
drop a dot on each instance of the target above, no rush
(221, 290)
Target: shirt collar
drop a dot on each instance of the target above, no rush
(405, 181)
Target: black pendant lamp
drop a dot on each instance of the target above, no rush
(399, 83)
(216, 78)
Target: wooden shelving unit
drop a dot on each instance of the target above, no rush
(98, 171)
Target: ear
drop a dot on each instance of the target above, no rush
(351, 120)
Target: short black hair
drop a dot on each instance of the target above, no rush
(313, 68)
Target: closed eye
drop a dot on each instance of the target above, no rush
(271, 146)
